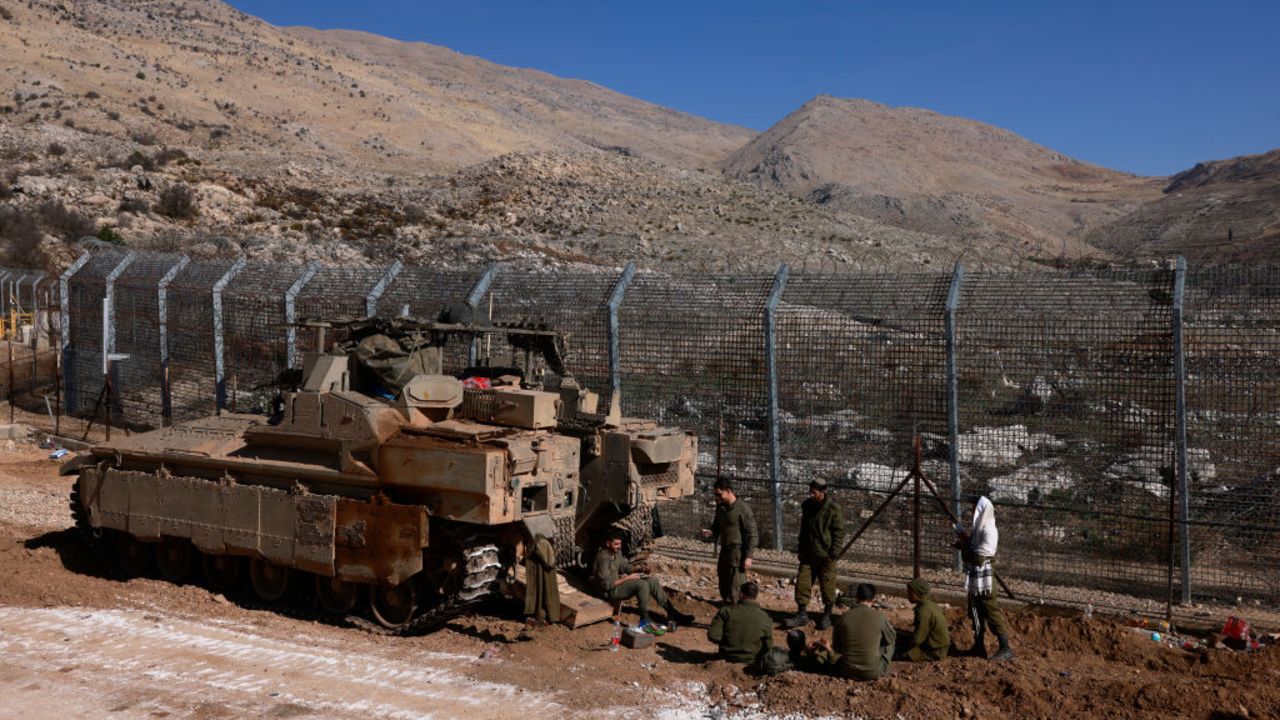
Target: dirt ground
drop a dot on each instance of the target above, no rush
(77, 643)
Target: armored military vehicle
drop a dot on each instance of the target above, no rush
(381, 482)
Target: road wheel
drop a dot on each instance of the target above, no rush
(132, 555)
(269, 581)
(336, 596)
(222, 572)
(393, 605)
(173, 558)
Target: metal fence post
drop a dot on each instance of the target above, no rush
(953, 395)
(162, 312)
(1180, 427)
(109, 328)
(219, 362)
(771, 391)
(290, 312)
(371, 300)
(4, 302)
(473, 301)
(615, 342)
(15, 305)
(64, 321)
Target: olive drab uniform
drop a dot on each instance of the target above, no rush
(734, 527)
(932, 637)
(541, 587)
(744, 632)
(609, 567)
(821, 534)
(861, 644)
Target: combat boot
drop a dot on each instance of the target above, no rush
(824, 620)
(799, 620)
(1004, 653)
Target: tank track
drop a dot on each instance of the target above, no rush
(567, 550)
(479, 585)
(637, 527)
(92, 536)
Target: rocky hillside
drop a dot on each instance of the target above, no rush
(938, 174)
(1219, 211)
(162, 124)
(205, 74)
(188, 125)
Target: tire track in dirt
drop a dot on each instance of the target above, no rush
(145, 665)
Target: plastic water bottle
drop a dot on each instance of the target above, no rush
(1088, 611)
(616, 640)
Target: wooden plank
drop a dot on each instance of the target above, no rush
(578, 607)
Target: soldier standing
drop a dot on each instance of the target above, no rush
(977, 550)
(541, 587)
(734, 527)
(821, 533)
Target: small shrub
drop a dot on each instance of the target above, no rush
(113, 115)
(92, 95)
(414, 214)
(178, 202)
(106, 233)
(137, 157)
(141, 75)
(133, 205)
(143, 137)
(168, 155)
(19, 234)
(57, 149)
(67, 224)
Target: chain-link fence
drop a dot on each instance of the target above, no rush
(1059, 395)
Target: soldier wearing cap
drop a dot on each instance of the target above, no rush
(932, 638)
(821, 533)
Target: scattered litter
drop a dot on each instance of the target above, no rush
(59, 454)
(1237, 635)
(490, 653)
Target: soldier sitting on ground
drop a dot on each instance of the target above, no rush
(743, 631)
(617, 579)
(861, 644)
(932, 637)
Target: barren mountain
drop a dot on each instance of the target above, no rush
(204, 73)
(162, 124)
(191, 126)
(934, 173)
(1219, 211)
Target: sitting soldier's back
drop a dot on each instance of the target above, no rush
(743, 631)
(862, 643)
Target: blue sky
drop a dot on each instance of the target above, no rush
(1147, 87)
